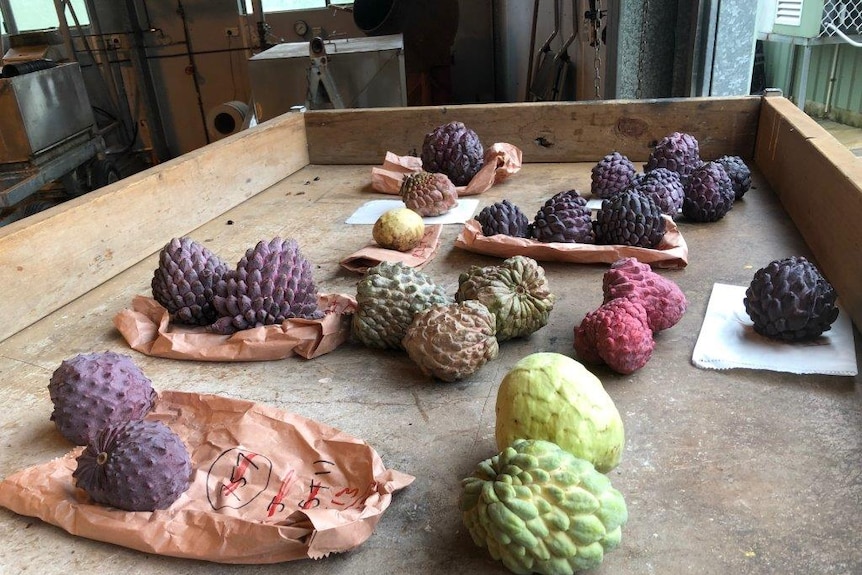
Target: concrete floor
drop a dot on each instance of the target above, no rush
(850, 136)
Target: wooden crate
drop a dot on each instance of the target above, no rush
(724, 472)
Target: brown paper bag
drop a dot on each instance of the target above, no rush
(268, 486)
(501, 161)
(672, 251)
(372, 254)
(147, 328)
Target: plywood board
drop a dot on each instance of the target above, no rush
(545, 132)
(819, 183)
(62, 253)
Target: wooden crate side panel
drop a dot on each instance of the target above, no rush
(819, 182)
(57, 255)
(545, 132)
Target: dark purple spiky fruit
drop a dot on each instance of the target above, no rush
(629, 218)
(136, 466)
(738, 172)
(271, 283)
(183, 282)
(790, 300)
(503, 218)
(565, 218)
(708, 194)
(455, 150)
(92, 390)
(613, 174)
(679, 152)
(664, 187)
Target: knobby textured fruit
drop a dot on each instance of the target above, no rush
(271, 283)
(451, 342)
(184, 281)
(539, 509)
(708, 193)
(505, 218)
(629, 218)
(677, 151)
(92, 390)
(516, 292)
(611, 175)
(789, 299)
(135, 465)
(738, 172)
(617, 334)
(387, 297)
(564, 218)
(662, 299)
(552, 397)
(428, 194)
(455, 150)
(664, 187)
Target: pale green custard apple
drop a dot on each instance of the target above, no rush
(539, 509)
(551, 396)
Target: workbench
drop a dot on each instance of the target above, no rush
(737, 471)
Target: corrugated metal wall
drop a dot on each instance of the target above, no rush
(846, 100)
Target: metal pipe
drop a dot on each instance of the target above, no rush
(831, 85)
(190, 52)
(60, 7)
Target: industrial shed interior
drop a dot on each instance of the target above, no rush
(430, 286)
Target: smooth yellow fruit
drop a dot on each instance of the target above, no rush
(399, 229)
(552, 397)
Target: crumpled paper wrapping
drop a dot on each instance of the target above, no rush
(671, 253)
(147, 328)
(268, 486)
(372, 254)
(501, 161)
(727, 340)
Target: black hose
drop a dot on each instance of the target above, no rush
(12, 70)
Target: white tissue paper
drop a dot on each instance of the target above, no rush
(727, 340)
(368, 212)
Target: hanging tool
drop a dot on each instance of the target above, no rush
(563, 63)
(545, 76)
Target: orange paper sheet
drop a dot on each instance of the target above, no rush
(371, 255)
(268, 486)
(671, 253)
(501, 161)
(147, 328)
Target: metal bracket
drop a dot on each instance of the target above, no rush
(321, 86)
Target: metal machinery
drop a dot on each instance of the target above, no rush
(340, 73)
(47, 131)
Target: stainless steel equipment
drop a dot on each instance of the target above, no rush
(363, 72)
(47, 130)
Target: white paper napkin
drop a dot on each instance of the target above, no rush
(728, 340)
(370, 211)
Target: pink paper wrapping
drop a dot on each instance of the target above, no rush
(147, 328)
(372, 254)
(501, 161)
(268, 486)
(671, 253)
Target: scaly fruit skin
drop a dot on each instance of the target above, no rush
(738, 172)
(664, 302)
(428, 194)
(563, 218)
(505, 218)
(790, 300)
(387, 298)
(629, 218)
(617, 334)
(664, 187)
(516, 292)
(136, 466)
(708, 194)
(184, 281)
(455, 150)
(539, 509)
(677, 151)
(552, 397)
(613, 174)
(90, 391)
(451, 342)
(272, 282)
